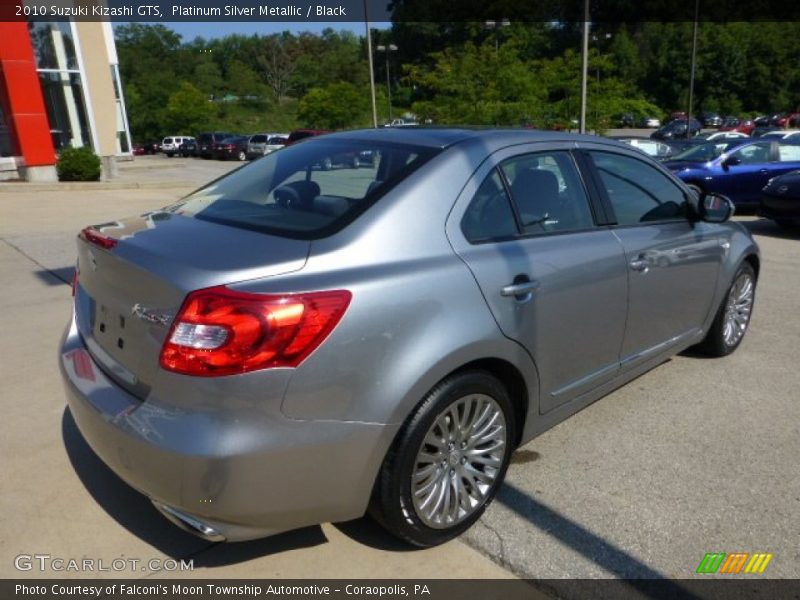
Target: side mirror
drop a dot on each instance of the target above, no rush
(731, 161)
(715, 208)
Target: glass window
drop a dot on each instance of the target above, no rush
(8, 146)
(639, 193)
(489, 215)
(752, 154)
(306, 191)
(63, 98)
(548, 192)
(789, 152)
(53, 45)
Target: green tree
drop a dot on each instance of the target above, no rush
(336, 106)
(188, 110)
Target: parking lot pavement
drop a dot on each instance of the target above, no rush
(58, 498)
(698, 455)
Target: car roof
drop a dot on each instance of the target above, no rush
(443, 137)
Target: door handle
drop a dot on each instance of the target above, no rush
(640, 264)
(519, 289)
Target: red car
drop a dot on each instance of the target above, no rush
(745, 126)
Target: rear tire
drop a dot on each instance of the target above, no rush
(242, 156)
(447, 461)
(733, 316)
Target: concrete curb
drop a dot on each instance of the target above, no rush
(87, 186)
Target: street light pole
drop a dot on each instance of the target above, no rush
(694, 62)
(387, 49)
(584, 65)
(371, 68)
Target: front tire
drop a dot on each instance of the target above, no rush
(448, 460)
(733, 317)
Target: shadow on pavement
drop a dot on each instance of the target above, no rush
(367, 531)
(56, 276)
(613, 559)
(135, 513)
(771, 229)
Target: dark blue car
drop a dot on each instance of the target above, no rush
(738, 169)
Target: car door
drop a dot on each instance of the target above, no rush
(672, 261)
(745, 171)
(554, 281)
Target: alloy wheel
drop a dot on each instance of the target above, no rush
(459, 460)
(738, 309)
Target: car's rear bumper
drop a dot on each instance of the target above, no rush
(223, 474)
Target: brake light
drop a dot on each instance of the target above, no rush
(91, 235)
(219, 331)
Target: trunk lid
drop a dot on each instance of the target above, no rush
(129, 294)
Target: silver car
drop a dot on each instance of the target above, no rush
(292, 345)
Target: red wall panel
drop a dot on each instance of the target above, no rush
(26, 105)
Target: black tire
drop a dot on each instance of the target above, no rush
(392, 504)
(715, 343)
(169, 154)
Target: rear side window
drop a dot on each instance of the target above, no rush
(306, 191)
(789, 152)
(548, 193)
(489, 215)
(638, 192)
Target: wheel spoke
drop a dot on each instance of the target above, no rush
(459, 461)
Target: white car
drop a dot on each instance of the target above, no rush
(783, 134)
(723, 135)
(262, 144)
(172, 145)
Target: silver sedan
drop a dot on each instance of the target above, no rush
(295, 344)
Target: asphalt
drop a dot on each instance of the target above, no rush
(58, 499)
(698, 455)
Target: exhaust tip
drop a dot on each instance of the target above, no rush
(188, 523)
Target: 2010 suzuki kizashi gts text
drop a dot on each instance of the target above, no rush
(313, 336)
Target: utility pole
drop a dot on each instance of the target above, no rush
(584, 65)
(371, 70)
(694, 62)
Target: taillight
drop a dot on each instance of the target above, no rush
(93, 236)
(219, 331)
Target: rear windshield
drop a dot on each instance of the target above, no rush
(307, 191)
(205, 138)
(167, 141)
(258, 139)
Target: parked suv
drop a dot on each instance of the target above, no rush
(172, 145)
(264, 143)
(206, 141)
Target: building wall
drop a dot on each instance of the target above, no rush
(100, 88)
(78, 93)
(24, 107)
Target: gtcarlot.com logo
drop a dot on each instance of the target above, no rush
(47, 562)
(735, 563)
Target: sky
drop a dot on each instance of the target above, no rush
(190, 30)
